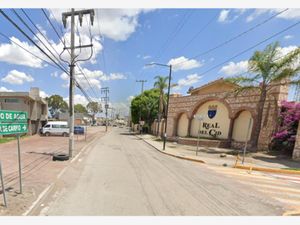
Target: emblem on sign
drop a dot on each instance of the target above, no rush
(212, 111)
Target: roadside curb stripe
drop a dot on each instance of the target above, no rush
(270, 170)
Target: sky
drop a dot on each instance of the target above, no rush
(193, 41)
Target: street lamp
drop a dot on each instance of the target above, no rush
(199, 118)
(169, 86)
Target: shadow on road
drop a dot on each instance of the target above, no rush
(127, 133)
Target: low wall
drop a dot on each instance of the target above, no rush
(204, 142)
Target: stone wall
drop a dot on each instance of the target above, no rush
(296, 152)
(235, 104)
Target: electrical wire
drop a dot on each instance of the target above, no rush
(233, 38)
(252, 47)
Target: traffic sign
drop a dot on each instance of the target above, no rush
(13, 116)
(13, 128)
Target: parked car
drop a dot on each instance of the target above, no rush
(55, 128)
(78, 130)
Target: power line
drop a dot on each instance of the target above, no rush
(250, 48)
(20, 46)
(63, 42)
(27, 26)
(200, 31)
(26, 35)
(174, 33)
(233, 38)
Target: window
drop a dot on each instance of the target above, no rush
(12, 100)
(63, 126)
(55, 126)
(47, 126)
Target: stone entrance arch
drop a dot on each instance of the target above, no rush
(217, 125)
(240, 127)
(182, 125)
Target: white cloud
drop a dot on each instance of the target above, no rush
(233, 68)
(43, 94)
(16, 77)
(146, 57)
(182, 63)
(4, 89)
(228, 16)
(78, 99)
(286, 50)
(188, 81)
(223, 15)
(291, 14)
(129, 99)
(116, 76)
(91, 78)
(13, 54)
(55, 74)
(116, 24)
(288, 37)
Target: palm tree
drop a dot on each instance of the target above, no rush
(161, 85)
(267, 68)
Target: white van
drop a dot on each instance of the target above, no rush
(56, 128)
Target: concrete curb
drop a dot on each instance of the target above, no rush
(270, 170)
(262, 169)
(176, 156)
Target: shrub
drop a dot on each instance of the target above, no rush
(284, 139)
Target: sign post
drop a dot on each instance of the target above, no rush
(199, 118)
(14, 122)
(3, 188)
(246, 142)
(20, 167)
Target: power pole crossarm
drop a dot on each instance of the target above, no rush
(65, 15)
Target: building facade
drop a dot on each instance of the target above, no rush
(30, 102)
(229, 118)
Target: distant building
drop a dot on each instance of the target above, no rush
(79, 118)
(30, 102)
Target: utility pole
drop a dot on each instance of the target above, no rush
(142, 81)
(105, 90)
(142, 90)
(65, 15)
(168, 96)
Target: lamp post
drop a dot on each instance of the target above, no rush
(199, 118)
(168, 95)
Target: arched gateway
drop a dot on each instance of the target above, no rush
(226, 115)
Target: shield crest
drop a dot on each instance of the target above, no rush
(212, 111)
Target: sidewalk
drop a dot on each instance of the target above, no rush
(38, 169)
(220, 156)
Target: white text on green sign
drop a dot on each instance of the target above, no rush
(13, 128)
(13, 116)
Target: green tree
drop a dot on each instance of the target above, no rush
(79, 108)
(146, 104)
(94, 108)
(267, 68)
(161, 85)
(56, 104)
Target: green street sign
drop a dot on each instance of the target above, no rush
(13, 116)
(13, 128)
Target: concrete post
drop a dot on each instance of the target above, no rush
(296, 152)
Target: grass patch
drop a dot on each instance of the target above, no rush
(8, 139)
(295, 169)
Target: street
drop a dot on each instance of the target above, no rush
(122, 175)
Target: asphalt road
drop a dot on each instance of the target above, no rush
(122, 175)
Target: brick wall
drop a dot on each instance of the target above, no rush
(245, 101)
